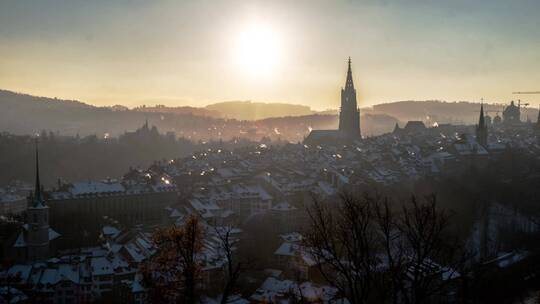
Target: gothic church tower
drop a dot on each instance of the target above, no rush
(482, 129)
(349, 116)
(38, 221)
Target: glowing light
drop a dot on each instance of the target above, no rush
(257, 49)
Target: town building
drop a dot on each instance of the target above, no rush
(79, 209)
(512, 114)
(12, 204)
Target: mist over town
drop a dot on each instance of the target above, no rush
(239, 152)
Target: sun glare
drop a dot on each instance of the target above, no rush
(257, 49)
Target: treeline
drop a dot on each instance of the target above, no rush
(82, 158)
(462, 112)
(26, 114)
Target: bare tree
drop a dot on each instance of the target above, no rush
(433, 255)
(341, 239)
(234, 266)
(171, 276)
(392, 249)
(374, 253)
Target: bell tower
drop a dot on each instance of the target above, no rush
(38, 221)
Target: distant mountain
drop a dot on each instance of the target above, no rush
(432, 111)
(26, 114)
(247, 110)
(179, 110)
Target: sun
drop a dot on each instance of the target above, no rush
(257, 49)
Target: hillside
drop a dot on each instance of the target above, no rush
(432, 111)
(247, 110)
(180, 110)
(26, 114)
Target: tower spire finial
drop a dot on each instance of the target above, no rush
(349, 82)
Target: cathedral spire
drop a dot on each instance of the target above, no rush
(349, 82)
(481, 120)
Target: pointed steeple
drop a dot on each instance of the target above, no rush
(38, 197)
(349, 82)
(481, 120)
(481, 129)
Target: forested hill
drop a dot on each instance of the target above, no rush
(248, 110)
(462, 112)
(26, 114)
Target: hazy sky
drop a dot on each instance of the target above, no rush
(199, 52)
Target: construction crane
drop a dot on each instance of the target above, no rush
(522, 104)
(529, 92)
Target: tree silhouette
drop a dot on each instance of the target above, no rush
(172, 275)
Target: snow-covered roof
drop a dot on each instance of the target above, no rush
(53, 234)
(22, 271)
(292, 237)
(15, 295)
(101, 266)
(20, 242)
(110, 231)
(94, 187)
(283, 206)
(9, 197)
(287, 249)
(135, 252)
